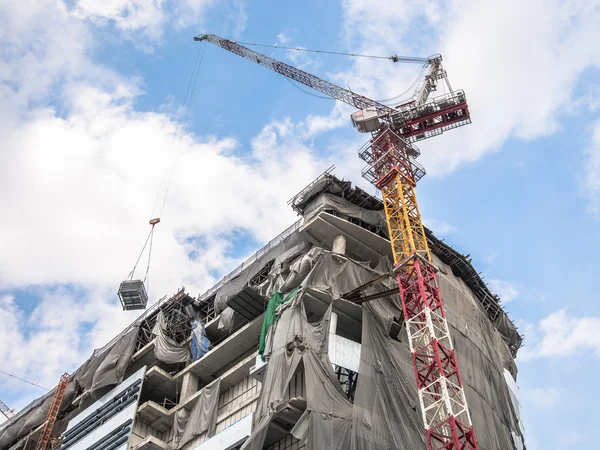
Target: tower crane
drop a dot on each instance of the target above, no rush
(392, 167)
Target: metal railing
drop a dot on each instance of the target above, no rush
(272, 243)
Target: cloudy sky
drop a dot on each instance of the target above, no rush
(91, 92)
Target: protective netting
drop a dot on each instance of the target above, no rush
(103, 370)
(202, 418)
(166, 349)
(385, 413)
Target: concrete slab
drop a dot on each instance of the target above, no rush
(159, 418)
(144, 355)
(230, 378)
(212, 330)
(363, 244)
(152, 443)
(231, 436)
(158, 384)
(229, 349)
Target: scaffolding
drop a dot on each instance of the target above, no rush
(177, 317)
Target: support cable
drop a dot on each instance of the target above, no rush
(146, 283)
(179, 130)
(183, 128)
(130, 276)
(23, 380)
(394, 58)
(176, 129)
(307, 92)
(412, 86)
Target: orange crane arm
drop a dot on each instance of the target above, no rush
(44, 439)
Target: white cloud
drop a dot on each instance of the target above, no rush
(592, 170)
(560, 334)
(52, 339)
(519, 64)
(127, 15)
(79, 171)
(148, 18)
(543, 398)
(283, 38)
(439, 227)
(506, 290)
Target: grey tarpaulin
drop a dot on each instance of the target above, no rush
(332, 202)
(165, 348)
(182, 416)
(30, 417)
(229, 319)
(385, 405)
(202, 418)
(385, 413)
(324, 271)
(295, 343)
(104, 368)
(236, 284)
(112, 368)
(480, 349)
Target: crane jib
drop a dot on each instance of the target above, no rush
(312, 81)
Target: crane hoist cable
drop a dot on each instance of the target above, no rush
(179, 116)
(166, 181)
(153, 223)
(410, 88)
(183, 127)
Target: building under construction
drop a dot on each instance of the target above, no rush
(301, 347)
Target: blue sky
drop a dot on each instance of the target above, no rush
(91, 92)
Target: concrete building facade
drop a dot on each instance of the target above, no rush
(287, 353)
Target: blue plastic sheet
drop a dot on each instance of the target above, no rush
(200, 343)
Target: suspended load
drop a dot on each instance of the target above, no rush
(132, 293)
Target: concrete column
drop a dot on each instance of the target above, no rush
(189, 386)
(333, 323)
(339, 244)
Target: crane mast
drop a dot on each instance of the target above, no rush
(393, 169)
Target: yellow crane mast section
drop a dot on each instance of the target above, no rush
(405, 226)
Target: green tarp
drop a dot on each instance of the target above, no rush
(270, 315)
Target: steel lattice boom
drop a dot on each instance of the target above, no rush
(298, 75)
(392, 168)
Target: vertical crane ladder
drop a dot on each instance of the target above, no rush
(59, 394)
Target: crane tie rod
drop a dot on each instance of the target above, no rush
(394, 58)
(23, 380)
